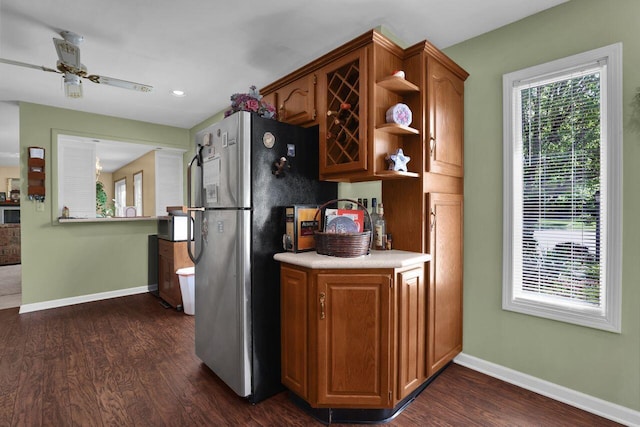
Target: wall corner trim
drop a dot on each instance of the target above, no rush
(557, 392)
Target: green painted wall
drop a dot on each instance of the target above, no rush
(602, 364)
(61, 261)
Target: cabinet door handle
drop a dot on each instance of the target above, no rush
(432, 145)
(322, 298)
(433, 219)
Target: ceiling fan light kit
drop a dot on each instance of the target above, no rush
(73, 70)
(72, 86)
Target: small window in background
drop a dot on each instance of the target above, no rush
(121, 196)
(137, 193)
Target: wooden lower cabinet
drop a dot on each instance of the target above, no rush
(353, 338)
(445, 279)
(171, 257)
(353, 323)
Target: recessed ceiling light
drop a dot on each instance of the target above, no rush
(178, 93)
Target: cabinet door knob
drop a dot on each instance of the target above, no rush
(432, 144)
(322, 297)
(433, 219)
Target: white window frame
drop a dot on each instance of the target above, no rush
(608, 316)
(137, 192)
(120, 194)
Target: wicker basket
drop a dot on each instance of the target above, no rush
(344, 245)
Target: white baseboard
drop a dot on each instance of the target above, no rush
(45, 305)
(580, 400)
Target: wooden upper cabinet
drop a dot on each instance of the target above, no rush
(342, 101)
(445, 142)
(296, 101)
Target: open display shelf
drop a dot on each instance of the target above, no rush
(389, 174)
(397, 129)
(398, 85)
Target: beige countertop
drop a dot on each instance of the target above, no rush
(376, 259)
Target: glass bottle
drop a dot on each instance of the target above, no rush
(374, 218)
(380, 228)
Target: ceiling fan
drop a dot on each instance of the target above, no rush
(72, 69)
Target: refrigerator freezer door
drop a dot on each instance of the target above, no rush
(222, 299)
(226, 163)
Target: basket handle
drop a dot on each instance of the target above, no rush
(330, 202)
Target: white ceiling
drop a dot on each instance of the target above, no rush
(208, 48)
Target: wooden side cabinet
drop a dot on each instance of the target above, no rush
(353, 338)
(293, 339)
(171, 257)
(412, 345)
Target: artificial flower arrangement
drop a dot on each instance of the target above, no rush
(251, 102)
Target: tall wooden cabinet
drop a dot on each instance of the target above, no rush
(424, 205)
(433, 207)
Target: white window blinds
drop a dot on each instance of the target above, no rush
(559, 231)
(77, 178)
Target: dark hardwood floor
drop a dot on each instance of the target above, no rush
(129, 362)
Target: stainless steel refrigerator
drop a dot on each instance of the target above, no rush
(249, 169)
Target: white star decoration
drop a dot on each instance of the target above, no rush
(399, 161)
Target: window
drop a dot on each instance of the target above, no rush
(168, 180)
(137, 192)
(562, 189)
(121, 196)
(76, 178)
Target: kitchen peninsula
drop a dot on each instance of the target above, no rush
(353, 332)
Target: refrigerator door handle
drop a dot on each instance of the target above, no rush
(191, 244)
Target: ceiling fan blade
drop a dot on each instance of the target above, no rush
(120, 83)
(24, 64)
(68, 53)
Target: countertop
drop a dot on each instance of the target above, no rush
(107, 219)
(376, 259)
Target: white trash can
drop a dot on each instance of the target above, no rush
(187, 288)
